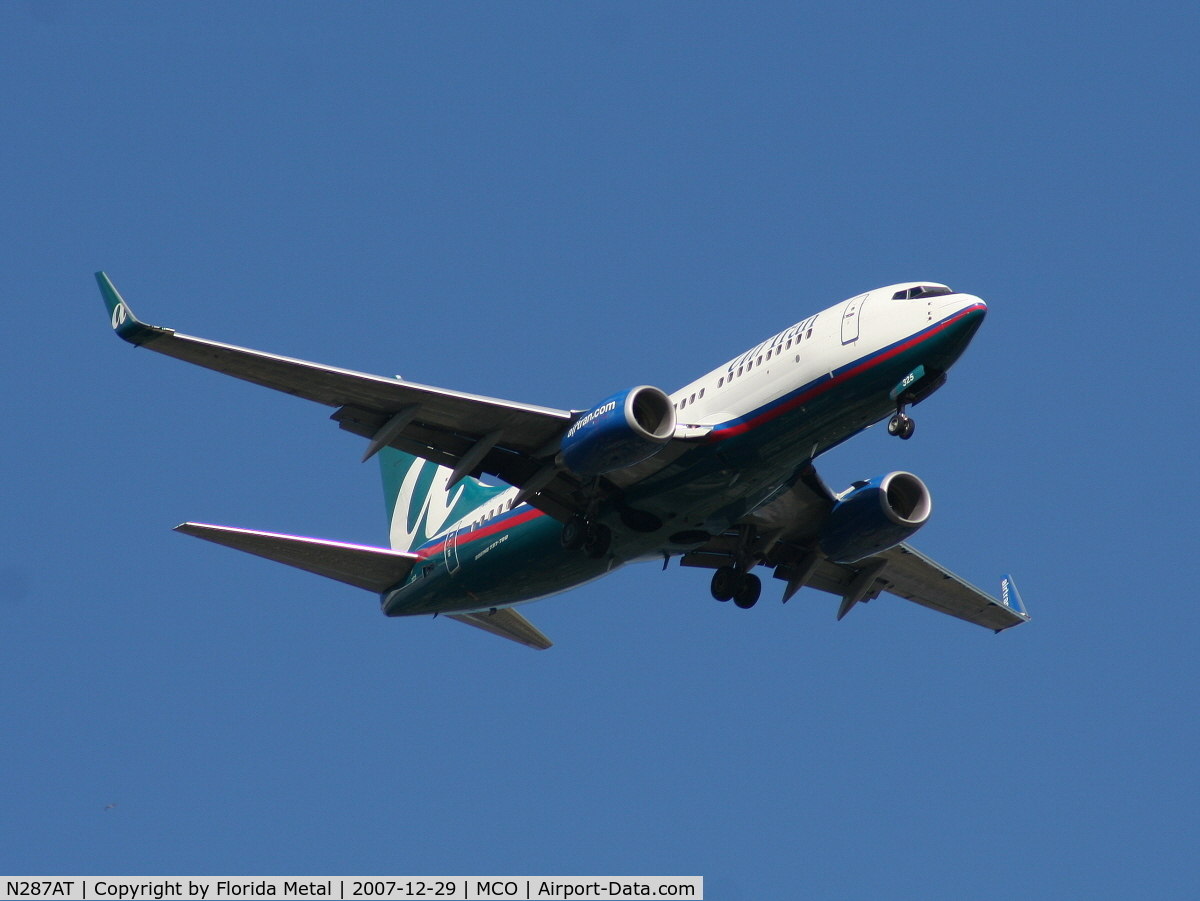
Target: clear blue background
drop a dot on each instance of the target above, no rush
(548, 203)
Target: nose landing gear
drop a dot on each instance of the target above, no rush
(901, 424)
(913, 388)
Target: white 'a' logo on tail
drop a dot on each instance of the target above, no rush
(436, 507)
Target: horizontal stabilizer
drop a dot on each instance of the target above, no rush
(373, 568)
(506, 623)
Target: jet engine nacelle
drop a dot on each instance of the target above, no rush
(876, 515)
(619, 431)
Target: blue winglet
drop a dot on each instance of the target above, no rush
(1010, 597)
(124, 323)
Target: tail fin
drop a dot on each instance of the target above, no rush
(418, 504)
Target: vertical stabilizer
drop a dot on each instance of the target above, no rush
(418, 504)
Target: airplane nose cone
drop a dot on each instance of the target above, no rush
(961, 315)
(966, 313)
(961, 302)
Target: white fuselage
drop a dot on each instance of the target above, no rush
(817, 345)
(823, 343)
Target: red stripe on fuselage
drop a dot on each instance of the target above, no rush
(494, 527)
(767, 415)
(508, 520)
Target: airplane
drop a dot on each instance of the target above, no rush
(719, 474)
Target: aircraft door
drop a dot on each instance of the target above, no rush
(850, 317)
(452, 561)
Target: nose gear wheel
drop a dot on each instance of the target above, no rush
(902, 426)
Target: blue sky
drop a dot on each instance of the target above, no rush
(550, 203)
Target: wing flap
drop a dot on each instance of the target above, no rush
(372, 568)
(560, 498)
(506, 623)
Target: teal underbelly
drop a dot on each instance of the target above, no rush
(519, 564)
(707, 489)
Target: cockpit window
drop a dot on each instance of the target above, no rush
(921, 291)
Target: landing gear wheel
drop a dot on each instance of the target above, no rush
(901, 425)
(574, 533)
(725, 583)
(598, 540)
(748, 591)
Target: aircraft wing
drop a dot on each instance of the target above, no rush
(783, 534)
(907, 573)
(469, 433)
(911, 575)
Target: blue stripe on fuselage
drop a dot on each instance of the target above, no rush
(741, 425)
(805, 393)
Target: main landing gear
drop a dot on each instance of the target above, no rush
(901, 424)
(743, 588)
(592, 537)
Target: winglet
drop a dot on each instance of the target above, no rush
(1010, 597)
(124, 323)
